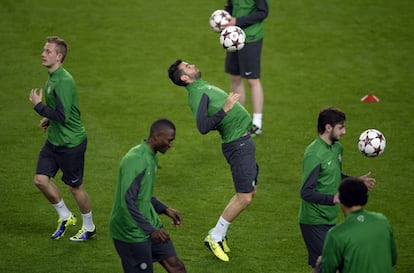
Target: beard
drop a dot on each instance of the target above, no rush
(333, 138)
(197, 75)
(194, 76)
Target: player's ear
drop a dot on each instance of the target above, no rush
(184, 78)
(59, 56)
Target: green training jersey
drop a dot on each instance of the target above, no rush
(62, 110)
(133, 216)
(329, 159)
(235, 123)
(253, 25)
(362, 243)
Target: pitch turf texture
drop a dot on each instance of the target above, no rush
(316, 54)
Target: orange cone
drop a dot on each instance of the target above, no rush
(370, 98)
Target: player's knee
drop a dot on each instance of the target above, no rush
(75, 189)
(253, 193)
(179, 267)
(249, 199)
(236, 79)
(246, 199)
(40, 180)
(174, 265)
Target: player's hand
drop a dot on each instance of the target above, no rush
(175, 216)
(231, 100)
(160, 235)
(35, 97)
(44, 123)
(232, 22)
(318, 262)
(368, 181)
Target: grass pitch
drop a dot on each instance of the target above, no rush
(316, 53)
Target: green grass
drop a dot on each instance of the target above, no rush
(316, 53)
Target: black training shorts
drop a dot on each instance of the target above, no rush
(138, 257)
(70, 161)
(241, 155)
(314, 237)
(245, 62)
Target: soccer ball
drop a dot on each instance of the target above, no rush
(232, 38)
(218, 18)
(371, 143)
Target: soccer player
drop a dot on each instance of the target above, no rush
(245, 64)
(214, 109)
(364, 241)
(137, 231)
(66, 141)
(322, 173)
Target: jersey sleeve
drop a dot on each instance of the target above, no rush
(331, 256)
(309, 193)
(205, 123)
(131, 197)
(57, 114)
(261, 12)
(229, 6)
(158, 205)
(393, 245)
